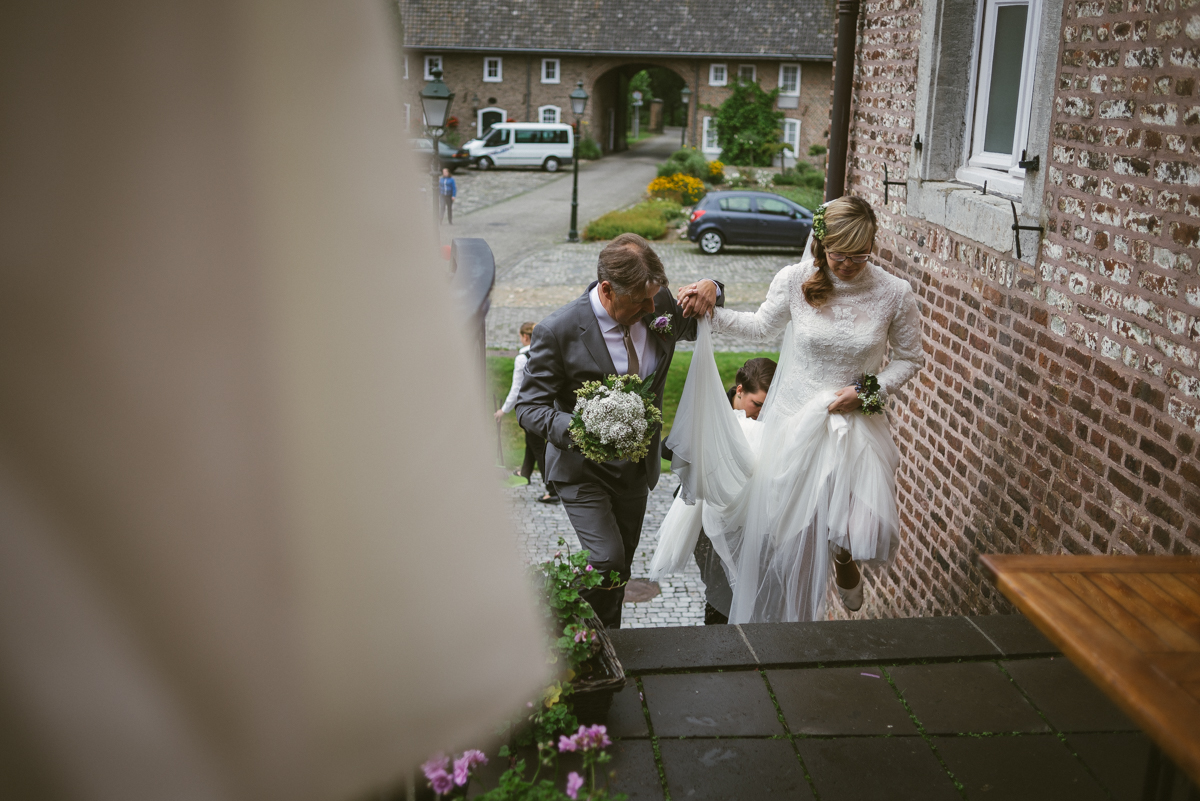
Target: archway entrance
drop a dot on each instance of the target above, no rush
(613, 111)
(489, 117)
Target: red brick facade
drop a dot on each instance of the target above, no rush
(1060, 405)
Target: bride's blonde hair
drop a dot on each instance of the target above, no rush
(849, 228)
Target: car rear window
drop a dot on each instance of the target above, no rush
(735, 204)
(768, 205)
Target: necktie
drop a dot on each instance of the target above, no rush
(630, 351)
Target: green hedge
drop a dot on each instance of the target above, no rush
(688, 161)
(649, 219)
(589, 149)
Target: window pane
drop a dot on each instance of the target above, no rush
(550, 69)
(770, 206)
(1004, 88)
(735, 204)
(527, 137)
(789, 79)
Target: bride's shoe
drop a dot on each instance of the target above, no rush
(852, 598)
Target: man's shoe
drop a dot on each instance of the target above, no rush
(548, 498)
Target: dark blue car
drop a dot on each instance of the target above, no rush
(748, 218)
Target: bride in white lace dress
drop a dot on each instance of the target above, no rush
(815, 481)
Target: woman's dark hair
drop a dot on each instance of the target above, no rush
(756, 375)
(850, 227)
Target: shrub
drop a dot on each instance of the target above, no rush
(716, 172)
(649, 219)
(803, 174)
(589, 148)
(749, 127)
(817, 150)
(681, 188)
(688, 161)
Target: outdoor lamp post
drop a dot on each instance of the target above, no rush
(579, 99)
(685, 95)
(435, 102)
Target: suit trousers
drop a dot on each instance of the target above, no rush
(608, 522)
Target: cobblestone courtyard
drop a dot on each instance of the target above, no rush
(539, 525)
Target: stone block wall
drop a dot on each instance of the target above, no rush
(1060, 405)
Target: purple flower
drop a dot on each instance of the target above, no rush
(441, 783)
(574, 784)
(589, 568)
(435, 765)
(474, 757)
(661, 324)
(566, 743)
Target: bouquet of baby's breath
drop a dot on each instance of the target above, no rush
(615, 418)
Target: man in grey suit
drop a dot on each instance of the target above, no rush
(605, 332)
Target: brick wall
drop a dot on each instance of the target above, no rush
(1059, 408)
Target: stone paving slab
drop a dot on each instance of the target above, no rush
(1118, 761)
(733, 770)
(726, 704)
(853, 769)
(1035, 768)
(840, 701)
(642, 651)
(891, 640)
(974, 697)
(1066, 696)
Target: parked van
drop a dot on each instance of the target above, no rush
(523, 144)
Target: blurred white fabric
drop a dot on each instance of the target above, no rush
(235, 560)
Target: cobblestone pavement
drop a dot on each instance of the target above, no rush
(477, 190)
(544, 281)
(539, 525)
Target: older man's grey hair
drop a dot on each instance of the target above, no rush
(630, 264)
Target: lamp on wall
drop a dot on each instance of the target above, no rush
(685, 95)
(436, 98)
(579, 99)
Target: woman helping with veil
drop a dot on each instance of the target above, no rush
(813, 479)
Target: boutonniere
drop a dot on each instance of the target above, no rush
(661, 325)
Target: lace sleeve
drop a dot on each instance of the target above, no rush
(904, 335)
(766, 323)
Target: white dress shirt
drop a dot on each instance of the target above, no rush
(614, 338)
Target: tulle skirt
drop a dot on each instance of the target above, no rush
(776, 496)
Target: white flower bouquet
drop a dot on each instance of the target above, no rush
(615, 418)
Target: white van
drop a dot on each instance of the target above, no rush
(523, 144)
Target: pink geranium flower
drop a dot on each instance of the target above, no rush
(574, 784)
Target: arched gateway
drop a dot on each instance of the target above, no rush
(525, 56)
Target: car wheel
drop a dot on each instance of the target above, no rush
(711, 242)
(486, 163)
(551, 164)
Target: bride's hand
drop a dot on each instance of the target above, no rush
(698, 299)
(846, 401)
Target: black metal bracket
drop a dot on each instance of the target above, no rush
(1017, 228)
(1034, 163)
(889, 183)
(917, 145)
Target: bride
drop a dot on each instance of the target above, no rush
(813, 480)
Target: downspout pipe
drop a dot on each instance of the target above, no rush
(843, 89)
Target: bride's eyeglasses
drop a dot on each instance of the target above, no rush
(857, 258)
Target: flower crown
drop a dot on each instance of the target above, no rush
(818, 225)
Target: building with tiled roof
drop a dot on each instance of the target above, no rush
(519, 59)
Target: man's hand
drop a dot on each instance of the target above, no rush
(499, 414)
(846, 401)
(698, 299)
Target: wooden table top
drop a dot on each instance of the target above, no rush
(1131, 624)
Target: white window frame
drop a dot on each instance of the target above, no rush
(431, 63)
(479, 129)
(713, 80)
(999, 169)
(753, 72)
(487, 63)
(709, 127)
(557, 114)
(557, 70)
(789, 93)
(793, 140)
(406, 68)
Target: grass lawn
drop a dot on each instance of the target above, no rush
(513, 438)
(643, 133)
(806, 196)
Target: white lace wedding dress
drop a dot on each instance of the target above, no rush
(774, 495)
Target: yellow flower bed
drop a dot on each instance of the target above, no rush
(683, 189)
(716, 168)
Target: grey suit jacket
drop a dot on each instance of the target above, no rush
(567, 350)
